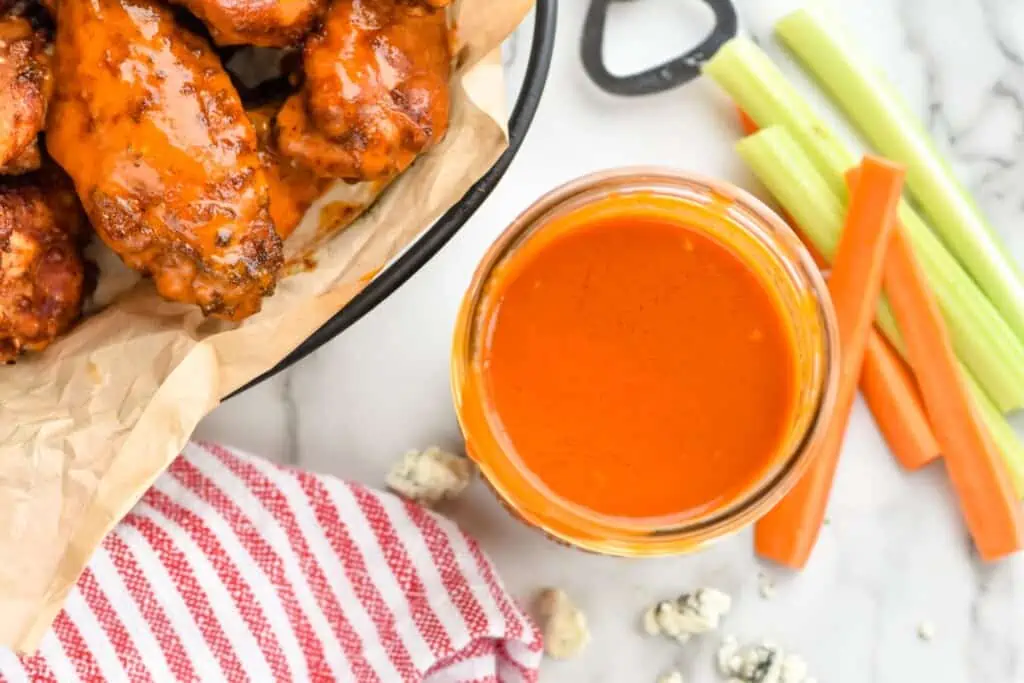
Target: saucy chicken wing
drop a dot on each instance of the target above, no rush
(265, 23)
(376, 92)
(293, 187)
(41, 266)
(147, 124)
(25, 85)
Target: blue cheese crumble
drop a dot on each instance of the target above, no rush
(430, 476)
(763, 663)
(688, 615)
(563, 624)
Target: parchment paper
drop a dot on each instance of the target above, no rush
(87, 426)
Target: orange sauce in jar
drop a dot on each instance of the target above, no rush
(643, 367)
(638, 366)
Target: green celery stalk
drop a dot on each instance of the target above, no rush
(983, 339)
(880, 114)
(786, 171)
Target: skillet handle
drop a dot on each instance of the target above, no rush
(672, 73)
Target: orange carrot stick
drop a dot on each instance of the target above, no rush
(892, 395)
(747, 124)
(979, 476)
(887, 383)
(787, 534)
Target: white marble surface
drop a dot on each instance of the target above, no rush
(895, 553)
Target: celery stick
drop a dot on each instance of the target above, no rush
(779, 163)
(983, 340)
(878, 111)
(757, 86)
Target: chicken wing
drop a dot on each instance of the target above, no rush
(376, 92)
(29, 160)
(147, 124)
(265, 23)
(25, 86)
(293, 187)
(41, 266)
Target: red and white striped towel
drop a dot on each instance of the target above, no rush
(232, 568)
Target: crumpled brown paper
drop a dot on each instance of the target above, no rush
(86, 427)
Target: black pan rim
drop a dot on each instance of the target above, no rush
(431, 242)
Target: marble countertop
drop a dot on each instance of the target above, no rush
(895, 553)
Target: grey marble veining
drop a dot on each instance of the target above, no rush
(895, 553)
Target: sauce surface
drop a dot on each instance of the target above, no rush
(638, 367)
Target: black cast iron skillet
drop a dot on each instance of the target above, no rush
(406, 265)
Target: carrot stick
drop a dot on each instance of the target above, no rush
(747, 124)
(976, 469)
(787, 534)
(887, 383)
(892, 395)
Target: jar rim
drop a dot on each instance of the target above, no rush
(650, 536)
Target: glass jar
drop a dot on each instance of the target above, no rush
(770, 247)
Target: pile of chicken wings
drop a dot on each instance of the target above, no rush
(118, 117)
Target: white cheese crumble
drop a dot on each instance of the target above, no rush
(764, 663)
(671, 677)
(563, 624)
(430, 476)
(688, 615)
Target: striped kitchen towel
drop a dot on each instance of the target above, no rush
(232, 568)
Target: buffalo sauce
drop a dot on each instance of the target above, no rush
(637, 364)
